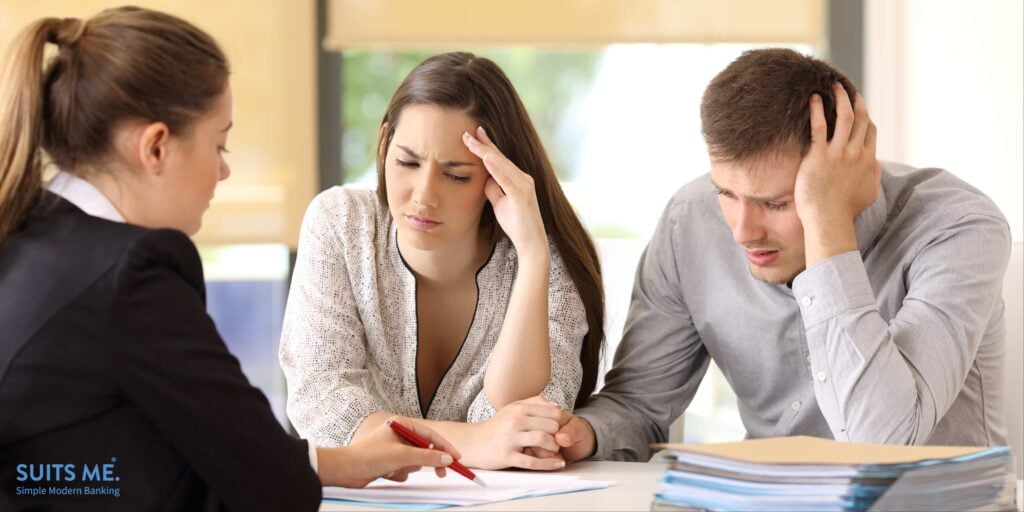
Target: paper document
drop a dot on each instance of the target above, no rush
(810, 474)
(807, 450)
(424, 488)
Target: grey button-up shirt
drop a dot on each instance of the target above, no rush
(899, 342)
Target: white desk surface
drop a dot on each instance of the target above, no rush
(635, 484)
(634, 488)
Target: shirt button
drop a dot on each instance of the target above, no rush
(822, 376)
(795, 405)
(808, 358)
(806, 301)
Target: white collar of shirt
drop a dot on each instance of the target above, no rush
(84, 195)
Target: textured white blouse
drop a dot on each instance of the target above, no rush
(349, 339)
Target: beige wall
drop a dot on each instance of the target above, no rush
(271, 46)
(411, 23)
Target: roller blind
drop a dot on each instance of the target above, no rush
(413, 23)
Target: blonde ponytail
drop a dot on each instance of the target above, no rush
(21, 123)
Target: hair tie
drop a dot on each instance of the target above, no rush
(67, 32)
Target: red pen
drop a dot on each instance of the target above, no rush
(407, 434)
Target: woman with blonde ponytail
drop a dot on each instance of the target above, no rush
(114, 384)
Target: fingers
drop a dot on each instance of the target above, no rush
(493, 191)
(539, 407)
(537, 410)
(439, 453)
(819, 129)
(569, 433)
(565, 418)
(540, 452)
(844, 115)
(533, 438)
(501, 168)
(576, 439)
(871, 138)
(567, 438)
(521, 460)
(440, 472)
(410, 457)
(482, 134)
(861, 122)
(439, 443)
(524, 429)
(534, 423)
(489, 154)
(400, 475)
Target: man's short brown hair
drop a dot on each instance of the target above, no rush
(758, 105)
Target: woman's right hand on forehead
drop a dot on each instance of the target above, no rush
(512, 195)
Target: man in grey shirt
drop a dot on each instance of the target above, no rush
(842, 297)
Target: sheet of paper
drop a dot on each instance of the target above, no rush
(806, 473)
(425, 488)
(813, 450)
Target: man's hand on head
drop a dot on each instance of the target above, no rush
(837, 179)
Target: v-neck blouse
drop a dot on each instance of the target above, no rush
(349, 339)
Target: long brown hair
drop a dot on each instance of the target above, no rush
(480, 89)
(124, 63)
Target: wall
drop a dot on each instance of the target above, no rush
(944, 81)
(944, 84)
(272, 49)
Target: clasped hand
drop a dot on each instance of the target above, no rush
(535, 434)
(508, 438)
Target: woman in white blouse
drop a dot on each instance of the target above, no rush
(464, 291)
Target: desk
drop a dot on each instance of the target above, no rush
(635, 484)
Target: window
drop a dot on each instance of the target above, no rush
(621, 124)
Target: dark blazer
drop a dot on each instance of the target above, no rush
(107, 356)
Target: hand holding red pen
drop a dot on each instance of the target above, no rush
(410, 436)
(383, 453)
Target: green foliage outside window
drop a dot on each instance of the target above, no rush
(550, 83)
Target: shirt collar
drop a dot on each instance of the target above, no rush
(84, 195)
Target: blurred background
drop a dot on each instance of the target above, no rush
(613, 87)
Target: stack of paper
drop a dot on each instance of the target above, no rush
(424, 490)
(807, 473)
